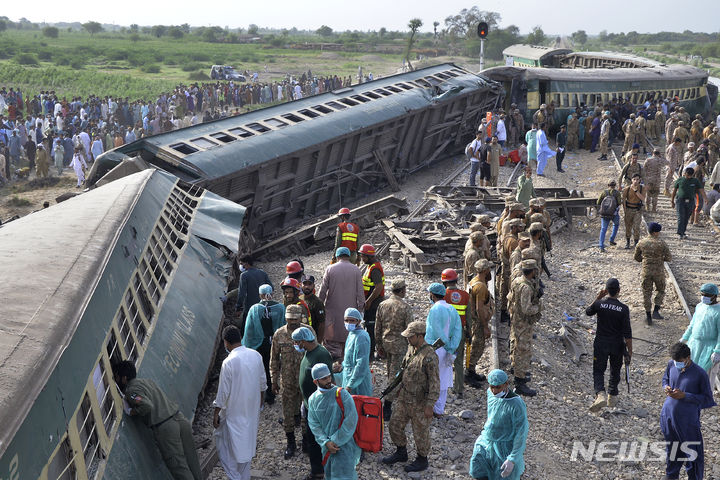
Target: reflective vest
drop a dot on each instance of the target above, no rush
(368, 284)
(302, 303)
(348, 235)
(460, 299)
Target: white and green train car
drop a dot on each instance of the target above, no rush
(131, 270)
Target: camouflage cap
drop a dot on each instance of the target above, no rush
(293, 311)
(509, 200)
(524, 236)
(482, 265)
(534, 202)
(528, 264)
(397, 284)
(536, 226)
(515, 222)
(414, 328)
(537, 217)
(541, 201)
(484, 218)
(517, 207)
(476, 227)
(527, 253)
(476, 236)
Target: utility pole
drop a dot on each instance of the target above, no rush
(482, 31)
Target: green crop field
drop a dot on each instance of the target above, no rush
(142, 66)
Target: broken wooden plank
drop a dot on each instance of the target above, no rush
(395, 233)
(386, 169)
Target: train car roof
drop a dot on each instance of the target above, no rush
(286, 129)
(640, 61)
(660, 72)
(533, 52)
(50, 261)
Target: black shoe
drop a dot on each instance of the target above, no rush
(290, 449)
(522, 388)
(387, 410)
(656, 313)
(613, 243)
(305, 446)
(504, 316)
(648, 318)
(269, 398)
(528, 375)
(471, 376)
(400, 455)
(627, 244)
(418, 465)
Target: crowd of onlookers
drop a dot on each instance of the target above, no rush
(96, 124)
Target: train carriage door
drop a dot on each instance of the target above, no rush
(542, 90)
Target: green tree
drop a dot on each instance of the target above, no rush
(536, 37)
(51, 32)
(3, 26)
(134, 28)
(159, 30)
(382, 31)
(175, 33)
(134, 37)
(414, 25)
(324, 31)
(603, 36)
(435, 25)
(580, 37)
(253, 29)
(464, 24)
(92, 27)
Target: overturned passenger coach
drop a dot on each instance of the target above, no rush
(296, 160)
(129, 271)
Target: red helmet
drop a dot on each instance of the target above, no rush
(367, 249)
(449, 275)
(344, 211)
(293, 267)
(291, 283)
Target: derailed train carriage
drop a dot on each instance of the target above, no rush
(131, 270)
(296, 160)
(569, 88)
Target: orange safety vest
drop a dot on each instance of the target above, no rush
(348, 235)
(460, 299)
(368, 284)
(302, 303)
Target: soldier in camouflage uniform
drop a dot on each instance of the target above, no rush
(471, 256)
(630, 130)
(674, 156)
(629, 170)
(670, 125)
(484, 247)
(418, 392)
(681, 133)
(641, 133)
(573, 132)
(653, 169)
(481, 308)
(285, 372)
(659, 123)
(510, 241)
(696, 130)
(392, 318)
(633, 200)
(537, 242)
(653, 252)
(525, 307)
(171, 430)
(516, 256)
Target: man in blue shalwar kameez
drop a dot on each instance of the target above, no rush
(687, 387)
(498, 452)
(544, 152)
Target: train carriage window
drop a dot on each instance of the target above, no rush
(434, 81)
(450, 73)
(183, 148)
(143, 298)
(360, 98)
(134, 317)
(348, 102)
(405, 86)
(223, 137)
(393, 89)
(422, 82)
(336, 105)
(87, 429)
(372, 95)
(556, 99)
(442, 75)
(309, 113)
(382, 92)
(203, 142)
(583, 98)
(605, 98)
(114, 350)
(126, 337)
(292, 117)
(322, 109)
(241, 132)
(274, 122)
(258, 127)
(575, 102)
(104, 397)
(62, 464)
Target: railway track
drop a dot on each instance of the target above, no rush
(694, 259)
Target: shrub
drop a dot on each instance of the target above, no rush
(26, 59)
(151, 68)
(199, 75)
(200, 57)
(45, 55)
(16, 201)
(51, 32)
(77, 63)
(191, 67)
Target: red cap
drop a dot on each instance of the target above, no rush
(449, 275)
(293, 267)
(367, 249)
(291, 282)
(344, 211)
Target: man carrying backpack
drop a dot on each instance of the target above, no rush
(609, 207)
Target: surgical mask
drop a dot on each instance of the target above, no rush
(501, 394)
(228, 351)
(679, 365)
(706, 300)
(323, 390)
(350, 326)
(299, 349)
(242, 268)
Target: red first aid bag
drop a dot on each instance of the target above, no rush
(369, 430)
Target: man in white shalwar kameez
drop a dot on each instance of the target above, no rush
(237, 405)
